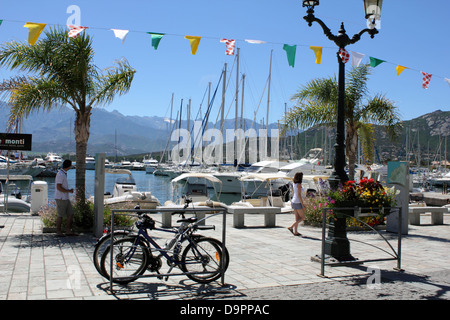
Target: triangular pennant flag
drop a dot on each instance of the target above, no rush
(426, 79)
(447, 80)
(344, 55)
(255, 41)
(290, 51)
(400, 69)
(121, 34)
(34, 30)
(156, 38)
(375, 62)
(230, 43)
(195, 41)
(75, 30)
(1, 21)
(356, 58)
(318, 53)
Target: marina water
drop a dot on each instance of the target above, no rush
(160, 186)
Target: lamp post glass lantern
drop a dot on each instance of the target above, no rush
(337, 244)
(372, 9)
(310, 3)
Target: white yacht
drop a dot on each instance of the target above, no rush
(53, 158)
(90, 163)
(150, 165)
(231, 182)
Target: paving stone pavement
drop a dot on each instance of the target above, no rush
(265, 264)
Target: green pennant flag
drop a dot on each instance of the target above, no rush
(156, 38)
(374, 62)
(290, 51)
(1, 21)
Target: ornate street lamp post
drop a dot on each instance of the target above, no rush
(337, 244)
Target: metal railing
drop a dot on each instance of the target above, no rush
(357, 213)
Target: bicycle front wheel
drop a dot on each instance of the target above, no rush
(103, 243)
(201, 260)
(129, 260)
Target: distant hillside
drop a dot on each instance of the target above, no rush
(111, 132)
(425, 137)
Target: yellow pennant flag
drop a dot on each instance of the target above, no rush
(318, 53)
(400, 69)
(195, 41)
(34, 30)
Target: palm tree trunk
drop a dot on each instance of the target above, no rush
(81, 129)
(351, 143)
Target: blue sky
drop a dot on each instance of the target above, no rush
(411, 35)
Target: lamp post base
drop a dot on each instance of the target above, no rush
(337, 244)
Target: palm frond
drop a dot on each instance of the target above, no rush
(323, 90)
(381, 111)
(356, 85)
(116, 80)
(309, 114)
(27, 94)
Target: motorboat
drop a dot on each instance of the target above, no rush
(125, 193)
(53, 158)
(90, 163)
(137, 166)
(441, 180)
(231, 182)
(150, 165)
(124, 164)
(21, 168)
(272, 198)
(195, 186)
(194, 194)
(11, 198)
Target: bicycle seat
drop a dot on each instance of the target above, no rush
(188, 220)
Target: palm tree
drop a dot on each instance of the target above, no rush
(317, 105)
(62, 73)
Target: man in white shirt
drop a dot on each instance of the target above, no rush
(63, 205)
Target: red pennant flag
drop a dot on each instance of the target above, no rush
(230, 43)
(426, 79)
(345, 56)
(75, 31)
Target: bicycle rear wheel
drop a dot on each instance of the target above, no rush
(129, 260)
(201, 260)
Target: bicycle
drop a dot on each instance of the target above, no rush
(202, 259)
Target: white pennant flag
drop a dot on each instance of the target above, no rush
(356, 58)
(121, 34)
(448, 81)
(255, 41)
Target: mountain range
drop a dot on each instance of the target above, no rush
(111, 132)
(116, 134)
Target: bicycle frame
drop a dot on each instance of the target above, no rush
(181, 234)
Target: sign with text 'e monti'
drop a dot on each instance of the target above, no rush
(15, 141)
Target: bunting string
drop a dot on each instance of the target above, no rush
(35, 30)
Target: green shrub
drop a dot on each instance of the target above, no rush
(83, 218)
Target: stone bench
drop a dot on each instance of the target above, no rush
(200, 210)
(437, 214)
(239, 213)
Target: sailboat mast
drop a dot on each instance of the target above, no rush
(222, 107)
(237, 89)
(268, 90)
(242, 100)
(237, 107)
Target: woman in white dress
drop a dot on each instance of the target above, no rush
(297, 203)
